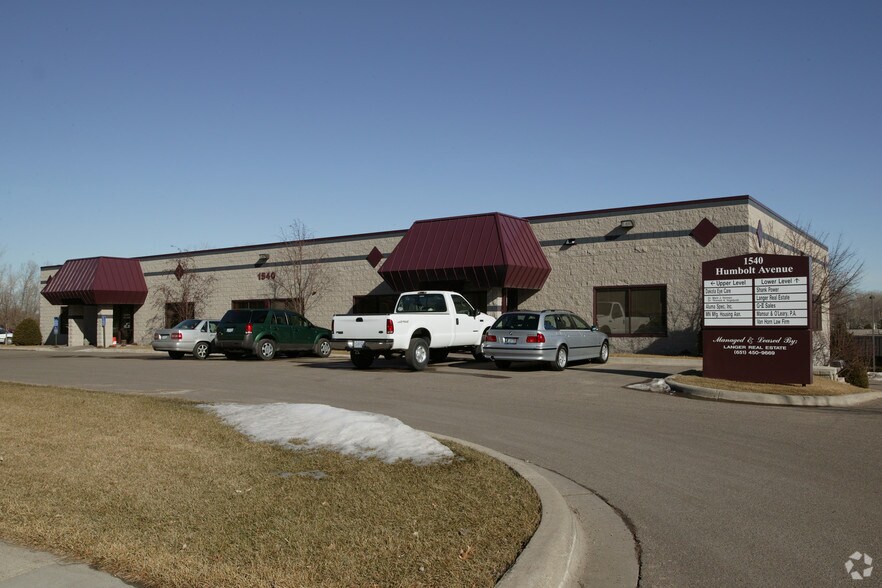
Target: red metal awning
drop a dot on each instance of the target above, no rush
(478, 251)
(99, 281)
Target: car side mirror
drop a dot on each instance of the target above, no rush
(473, 313)
(593, 327)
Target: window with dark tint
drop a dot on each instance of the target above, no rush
(279, 318)
(579, 322)
(175, 312)
(462, 307)
(632, 310)
(237, 316)
(422, 303)
(259, 316)
(274, 303)
(518, 321)
(296, 320)
(374, 304)
(564, 322)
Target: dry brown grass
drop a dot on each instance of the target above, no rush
(820, 387)
(160, 493)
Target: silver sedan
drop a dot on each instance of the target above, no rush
(194, 336)
(556, 337)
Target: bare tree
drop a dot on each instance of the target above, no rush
(859, 311)
(183, 293)
(19, 293)
(302, 274)
(836, 273)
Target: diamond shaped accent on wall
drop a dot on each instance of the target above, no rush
(705, 232)
(374, 257)
(179, 272)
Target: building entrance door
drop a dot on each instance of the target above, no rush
(123, 319)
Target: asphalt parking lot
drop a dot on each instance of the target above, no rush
(717, 493)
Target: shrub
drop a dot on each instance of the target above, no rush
(27, 333)
(844, 347)
(856, 374)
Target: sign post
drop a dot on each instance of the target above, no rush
(757, 319)
(55, 331)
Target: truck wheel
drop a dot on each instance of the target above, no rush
(202, 350)
(266, 349)
(478, 351)
(438, 354)
(322, 348)
(176, 354)
(361, 359)
(560, 359)
(417, 356)
(604, 353)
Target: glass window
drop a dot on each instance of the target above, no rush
(632, 310)
(280, 318)
(296, 320)
(259, 316)
(422, 303)
(461, 305)
(564, 322)
(550, 322)
(579, 322)
(212, 326)
(187, 325)
(518, 321)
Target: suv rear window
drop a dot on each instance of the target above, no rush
(244, 316)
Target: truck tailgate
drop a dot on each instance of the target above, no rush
(360, 326)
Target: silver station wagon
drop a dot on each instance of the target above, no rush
(556, 337)
(194, 336)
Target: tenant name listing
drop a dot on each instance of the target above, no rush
(755, 295)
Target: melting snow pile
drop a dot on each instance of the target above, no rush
(360, 434)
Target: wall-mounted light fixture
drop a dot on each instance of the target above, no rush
(627, 224)
(261, 259)
(570, 242)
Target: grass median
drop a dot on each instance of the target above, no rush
(160, 493)
(820, 386)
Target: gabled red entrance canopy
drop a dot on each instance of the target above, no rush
(97, 281)
(479, 251)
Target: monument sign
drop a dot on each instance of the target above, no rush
(757, 318)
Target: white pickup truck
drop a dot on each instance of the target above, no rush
(424, 325)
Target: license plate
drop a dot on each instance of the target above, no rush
(230, 329)
(357, 344)
(509, 340)
(163, 336)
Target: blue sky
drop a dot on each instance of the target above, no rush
(134, 129)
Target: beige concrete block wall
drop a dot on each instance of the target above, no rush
(657, 251)
(347, 277)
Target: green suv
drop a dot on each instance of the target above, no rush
(266, 332)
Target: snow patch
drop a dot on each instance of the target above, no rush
(314, 426)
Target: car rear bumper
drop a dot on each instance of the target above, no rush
(173, 345)
(508, 353)
(245, 344)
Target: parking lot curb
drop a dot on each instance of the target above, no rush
(777, 399)
(581, 540)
